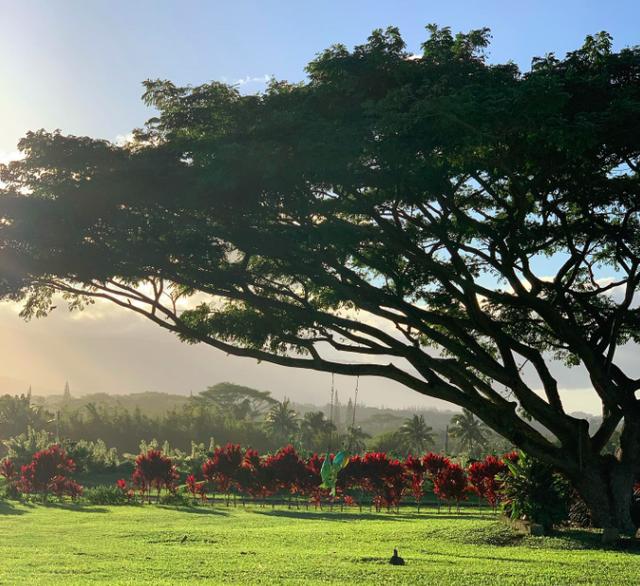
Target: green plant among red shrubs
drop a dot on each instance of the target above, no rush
(154, 470)
(126, 491)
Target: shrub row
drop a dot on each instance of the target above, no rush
(374, 477)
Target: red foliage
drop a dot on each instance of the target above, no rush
(416, 470)
(435, 463)
(154, 470)
(224, 467)
(47, 473)
(383, 477)
(254, 477)
(61, 486)
(197, 489)
(191, 483)
(8, 469)
(483, 478)
(289, 472)
(511, 456)
(450, 484)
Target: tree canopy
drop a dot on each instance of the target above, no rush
(389, 216)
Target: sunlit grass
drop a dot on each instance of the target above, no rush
(151, 544)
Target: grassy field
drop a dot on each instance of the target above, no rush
(155, 545)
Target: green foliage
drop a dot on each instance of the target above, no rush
(18, 413)
(316, 431)
(22, 448)
(104, 495)
(417, 434)
(177, 499)
(391, 442)
(388, 192)
(282, 422)
(532, 490)
(236, 401)
(355, 440)
(470, 432)
(92, 456)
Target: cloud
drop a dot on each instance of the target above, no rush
(249, 80)
(8, 156)
(123, 139)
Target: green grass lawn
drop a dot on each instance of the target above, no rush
(66, 544)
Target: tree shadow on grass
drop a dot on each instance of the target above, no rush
(334, 516)
(75, 507)
(194, 510)
(585, 539)
(450, 555)
(366, 516)
(6, 508)
(458, 516)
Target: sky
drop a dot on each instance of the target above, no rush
(78, 66)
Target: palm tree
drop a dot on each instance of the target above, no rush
(315, 430)
(417, 434)
(354, 441)
(468, 430)
(281, 421)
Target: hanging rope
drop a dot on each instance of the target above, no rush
(355, 402)
(331, 411)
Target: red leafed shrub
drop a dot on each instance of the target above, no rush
(289, 471)
(223, 468)
(61, 486)
(450, 484)
(191, 483)
(435, 463)
(315, 462)
(314, 490)
(348, 501)
(511, 456)
(255, 478)
(8, 469)
(195, 488)
(10, 474)
(121, 484)
(483, 478)
(47, 473)
(416, 470)
(154, 470)
(351, 477)
(383, 478)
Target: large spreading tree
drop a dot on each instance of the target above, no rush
(433, 219)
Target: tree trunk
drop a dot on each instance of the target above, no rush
(607, 490)
(606, 482)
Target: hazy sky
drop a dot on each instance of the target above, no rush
(78, 65)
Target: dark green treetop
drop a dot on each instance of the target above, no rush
(387, 216)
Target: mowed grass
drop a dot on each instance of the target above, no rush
(146, 544)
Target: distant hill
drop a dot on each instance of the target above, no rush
(150, 403)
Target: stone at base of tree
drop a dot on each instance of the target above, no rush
(536, 530)
(610, 536)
